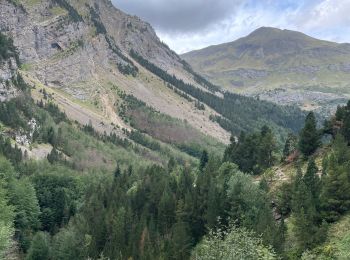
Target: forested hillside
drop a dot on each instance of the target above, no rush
(100, 196)
(113, 147)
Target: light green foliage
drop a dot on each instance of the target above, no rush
(232, 244)
(249, 204)
(23, 196)
(6, 222)
(337, 244)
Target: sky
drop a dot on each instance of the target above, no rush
(186, 25)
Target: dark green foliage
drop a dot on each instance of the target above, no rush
(57, 196)
(54, 111)
(336, 182)
(199, 105)
(73, 14)
(15, 113)
(54, 156)
(310, 138)
(126, 69)
(19, 83)
(308, 225)
(144, 141)
(180, 93)
(312, 181)
(253, 153)
(240, 111)
(345, 118)
(14, 154)
(284, 198)
(204, 160)
(304, 212)
(199, 79)
(95, 17)
(7, 49)
(131, 69)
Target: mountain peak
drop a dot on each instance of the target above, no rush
(266, 35)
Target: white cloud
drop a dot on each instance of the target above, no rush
(193, 24)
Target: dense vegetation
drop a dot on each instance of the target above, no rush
(98, 196)
(254, 152)
(239, 113)
(73, 14)
(162, 127)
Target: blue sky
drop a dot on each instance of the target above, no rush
(193, 24)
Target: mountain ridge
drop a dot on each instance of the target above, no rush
(103, 67)
(271, 60)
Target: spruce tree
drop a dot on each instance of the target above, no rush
(309, 136)
(335, 196)
(345, 130)
(267, 147)
(312, 181)
(304, 214)
(204, 160)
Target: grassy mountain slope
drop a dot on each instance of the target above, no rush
(283, 66)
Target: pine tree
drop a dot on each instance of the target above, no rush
(204, 160)
(166, 211)
(335, 198)
(309, 136)
(117, 172)
(266, 148)
(345, 130)
(304, 214)
(181, 239)
(311, 179)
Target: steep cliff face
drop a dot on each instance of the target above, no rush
(7, 72)
(80, 50)
(67, 47)
(8, 68)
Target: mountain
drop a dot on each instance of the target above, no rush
(112, 147)
(96, 63)
(79, 50)
(283, 66)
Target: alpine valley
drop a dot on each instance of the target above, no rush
(112, 146)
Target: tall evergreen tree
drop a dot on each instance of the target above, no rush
(335, 197)
(304, 214)
(204, 160)
(345, 130)
(311, 180)
(267, 147)
(310, 138)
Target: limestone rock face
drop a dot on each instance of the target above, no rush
(8, 70)
(64, 52)
(81, 49)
